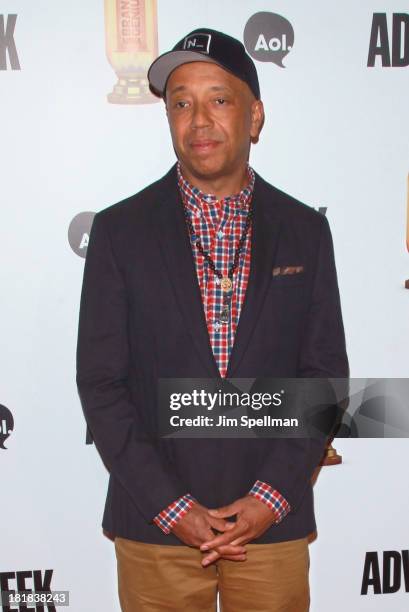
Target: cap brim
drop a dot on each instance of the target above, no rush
(161, 68)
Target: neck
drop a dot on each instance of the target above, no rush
(219, 186)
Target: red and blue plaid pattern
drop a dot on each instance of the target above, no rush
(272, 498)
(219, 225)
(170, 515)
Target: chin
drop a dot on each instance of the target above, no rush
(208, 170)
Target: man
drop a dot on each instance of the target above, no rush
(209, 272)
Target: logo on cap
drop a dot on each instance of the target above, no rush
(198, 42)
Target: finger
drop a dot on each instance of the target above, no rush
(225, 511)
(240, 541)
(225, 554)
(212, 556)
(235, 557)
(220, 524)
(231, 550)
(228, 549)
(226, 538)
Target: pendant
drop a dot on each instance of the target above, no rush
(226, 284)
(224, 315)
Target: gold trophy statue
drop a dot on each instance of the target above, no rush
(131, 35)
(331, 456)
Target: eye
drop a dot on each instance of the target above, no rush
(221, 101)
(181, 104)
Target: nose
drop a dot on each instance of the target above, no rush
(200, 116)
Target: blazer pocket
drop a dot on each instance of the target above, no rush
(287, 281)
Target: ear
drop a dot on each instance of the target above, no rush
(257, 120)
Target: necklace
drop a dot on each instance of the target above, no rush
(226, 282)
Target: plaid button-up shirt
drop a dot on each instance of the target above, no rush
(219, 224)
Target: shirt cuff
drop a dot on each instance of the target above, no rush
(272, 498)
(168, 518)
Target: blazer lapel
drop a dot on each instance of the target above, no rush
(177, 256)
(264, 241)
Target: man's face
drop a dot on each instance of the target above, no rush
(213, 116)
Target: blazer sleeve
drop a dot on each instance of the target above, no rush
(290, 463)
(102, 374)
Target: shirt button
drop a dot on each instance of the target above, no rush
(220, 234)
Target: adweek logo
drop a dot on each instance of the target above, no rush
(7, 42)
(6, 425)
(268, 37)
(79, 231)
(389, 44)
(395, 567)
(29, 581)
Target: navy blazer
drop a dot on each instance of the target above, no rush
(141, 318)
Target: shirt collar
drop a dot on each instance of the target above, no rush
(194, 197)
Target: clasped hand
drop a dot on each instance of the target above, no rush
(195, 528)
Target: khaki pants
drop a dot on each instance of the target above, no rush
(152, 578)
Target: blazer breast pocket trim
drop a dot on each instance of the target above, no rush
(287, 271)
(287, 276)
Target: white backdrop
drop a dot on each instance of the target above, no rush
(336, 136)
